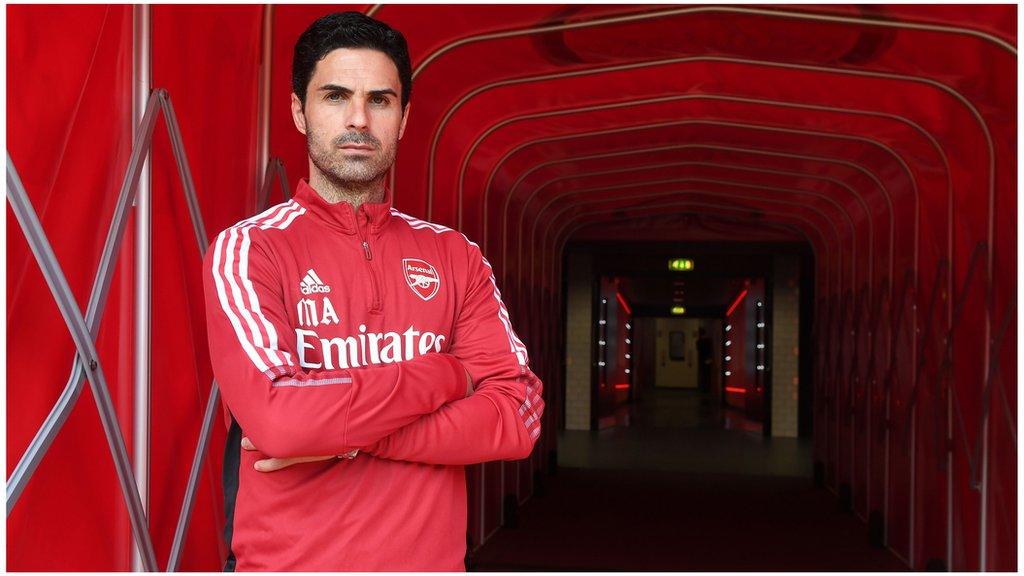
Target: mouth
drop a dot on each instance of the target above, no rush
(356, 147)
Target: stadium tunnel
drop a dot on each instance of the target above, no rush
(842, 180)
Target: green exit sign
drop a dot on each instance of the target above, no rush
(680, 264)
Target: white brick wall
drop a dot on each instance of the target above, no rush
(578, 345)
(785, 345)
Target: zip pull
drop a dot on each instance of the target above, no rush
(366, 249)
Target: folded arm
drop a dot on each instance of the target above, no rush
(502, 419)
(287, 411)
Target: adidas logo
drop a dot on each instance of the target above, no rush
(312, 284)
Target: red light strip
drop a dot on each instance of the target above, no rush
(623, 302)
(736, 390)
(621, 386)
(736, 302)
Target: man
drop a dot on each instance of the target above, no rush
(341, 326)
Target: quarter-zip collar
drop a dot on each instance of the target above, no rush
(341, 215)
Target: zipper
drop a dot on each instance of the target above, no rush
(376, 305)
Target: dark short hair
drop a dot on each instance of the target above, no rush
(348, 30)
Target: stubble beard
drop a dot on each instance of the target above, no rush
(352, 178)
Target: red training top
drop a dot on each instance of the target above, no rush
(332, 330)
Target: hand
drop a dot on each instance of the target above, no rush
(272, 464)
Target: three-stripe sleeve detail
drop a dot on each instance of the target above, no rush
(236, 293)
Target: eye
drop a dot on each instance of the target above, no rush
(379, 100)
(333, 96)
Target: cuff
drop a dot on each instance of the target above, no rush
(458, 391)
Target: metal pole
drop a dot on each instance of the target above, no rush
(191, 199)
(97, 302)
(69, 309)
(44, 436)
(263, 119)
(283, 179)
(142, 79)
(193, 480)
(184, 172)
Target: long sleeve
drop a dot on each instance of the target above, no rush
(501, 419)
(288, 411)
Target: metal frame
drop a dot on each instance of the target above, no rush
(87, 356)
(84, 330)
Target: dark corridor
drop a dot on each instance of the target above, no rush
(688, 485)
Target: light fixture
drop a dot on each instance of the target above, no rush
(728, 342)
(600, 363)
(628, 327)
(759, 304)
(601, 342)
(628, 341)
(728, 373)
(602, 322)
(760, 346)
(680, 264)
(728, 327)
(727, 358)
(677, 310)
(627, 370)
(628, 356)
(760, 324)
(735, 303)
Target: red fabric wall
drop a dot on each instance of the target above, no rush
(207, 58)
(890, 149)
(69, 134)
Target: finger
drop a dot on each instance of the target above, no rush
(274, 464)
(270, 464)
(247, 444)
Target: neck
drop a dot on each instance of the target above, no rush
(355, 193)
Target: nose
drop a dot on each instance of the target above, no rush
(356, 117)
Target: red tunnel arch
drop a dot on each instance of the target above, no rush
(883, 137)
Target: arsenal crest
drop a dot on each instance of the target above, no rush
(421, 277)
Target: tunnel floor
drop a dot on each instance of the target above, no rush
(688, 486)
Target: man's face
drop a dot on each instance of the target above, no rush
(353, 115)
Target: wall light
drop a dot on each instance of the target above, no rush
(680, 264)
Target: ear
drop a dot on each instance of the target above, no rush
(405, 117)
(298, 116)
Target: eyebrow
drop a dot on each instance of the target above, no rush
(348, 91)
